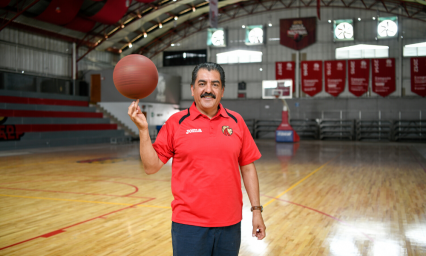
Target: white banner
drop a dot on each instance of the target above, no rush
(214, 13)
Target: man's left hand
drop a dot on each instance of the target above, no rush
(259, 228)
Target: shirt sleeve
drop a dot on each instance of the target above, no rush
(249, 151)
(163, 144)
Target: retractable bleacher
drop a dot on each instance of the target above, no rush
(409, 130)
(374, 130)
(37, 120)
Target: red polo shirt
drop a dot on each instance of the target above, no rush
(207, 153)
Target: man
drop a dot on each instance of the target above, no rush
(208, 143)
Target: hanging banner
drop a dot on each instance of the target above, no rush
(335, 76)
(298, 33)
(311, 77)
(358, 76)
(213, 13)
(383, 75)
(418, 76)
(286, 70)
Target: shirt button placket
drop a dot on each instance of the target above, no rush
(211, 128)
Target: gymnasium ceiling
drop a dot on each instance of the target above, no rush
(115, 25)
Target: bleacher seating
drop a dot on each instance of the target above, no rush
(30, 120)
(337, 129)
(374, 130)
(306, 128)
(409, 130)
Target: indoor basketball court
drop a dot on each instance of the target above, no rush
(319, 198)
(331, 92)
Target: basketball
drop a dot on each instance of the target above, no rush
(135, 76)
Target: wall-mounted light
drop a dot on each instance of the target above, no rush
(359, 19)
(374, 18)
(120, 51)
(243, 26)
(329, 21)
(23, 71)
(139, 15)
(176, 18)
(270, 24)
(172, 45)
(160, 25)
(145, 34)
(193, 9)
(130, 45)
(260, 69)
(122, 25)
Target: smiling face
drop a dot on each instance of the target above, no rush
(207, 91)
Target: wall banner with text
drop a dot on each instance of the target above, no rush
(285, 70)
(335, 76)
(298, 33)
(311, 77)
(418, 75)
(358, 76)
(383, 75)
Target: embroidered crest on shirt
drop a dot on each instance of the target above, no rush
(193, 130)
(227, 130)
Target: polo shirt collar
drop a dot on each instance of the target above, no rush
(194, 112)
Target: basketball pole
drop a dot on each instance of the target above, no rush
(284, 132)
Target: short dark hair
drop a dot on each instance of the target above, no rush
(209, 66)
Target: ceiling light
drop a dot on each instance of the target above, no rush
(130, 45)
(122, 25)
(193, 9)
(144, 34)
(329, 21)
(176, 17)
(174, 0)
(243, 26)
(160, 25)
(359, 19)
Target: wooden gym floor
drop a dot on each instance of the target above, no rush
(320, 198)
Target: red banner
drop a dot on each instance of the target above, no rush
(285, 70)
(383, 76)
(418, 76)
(335, 76)
(311, 77)
(298, 33)
(358, 76)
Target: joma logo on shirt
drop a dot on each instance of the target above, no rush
(193, 130)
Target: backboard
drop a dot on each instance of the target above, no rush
(277, 89)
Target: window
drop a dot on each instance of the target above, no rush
(239, 56)
(362, 51)
(415, 50)
(184, 58)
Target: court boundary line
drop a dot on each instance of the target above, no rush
(84, 201)
(323, 213)
(78, 193)
(61, 230)
(297, 183)
(90, 176)
(28, 181)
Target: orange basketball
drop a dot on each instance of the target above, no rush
(135, 76)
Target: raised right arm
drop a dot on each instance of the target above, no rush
(149, 157)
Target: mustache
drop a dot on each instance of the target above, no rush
(208, 94)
